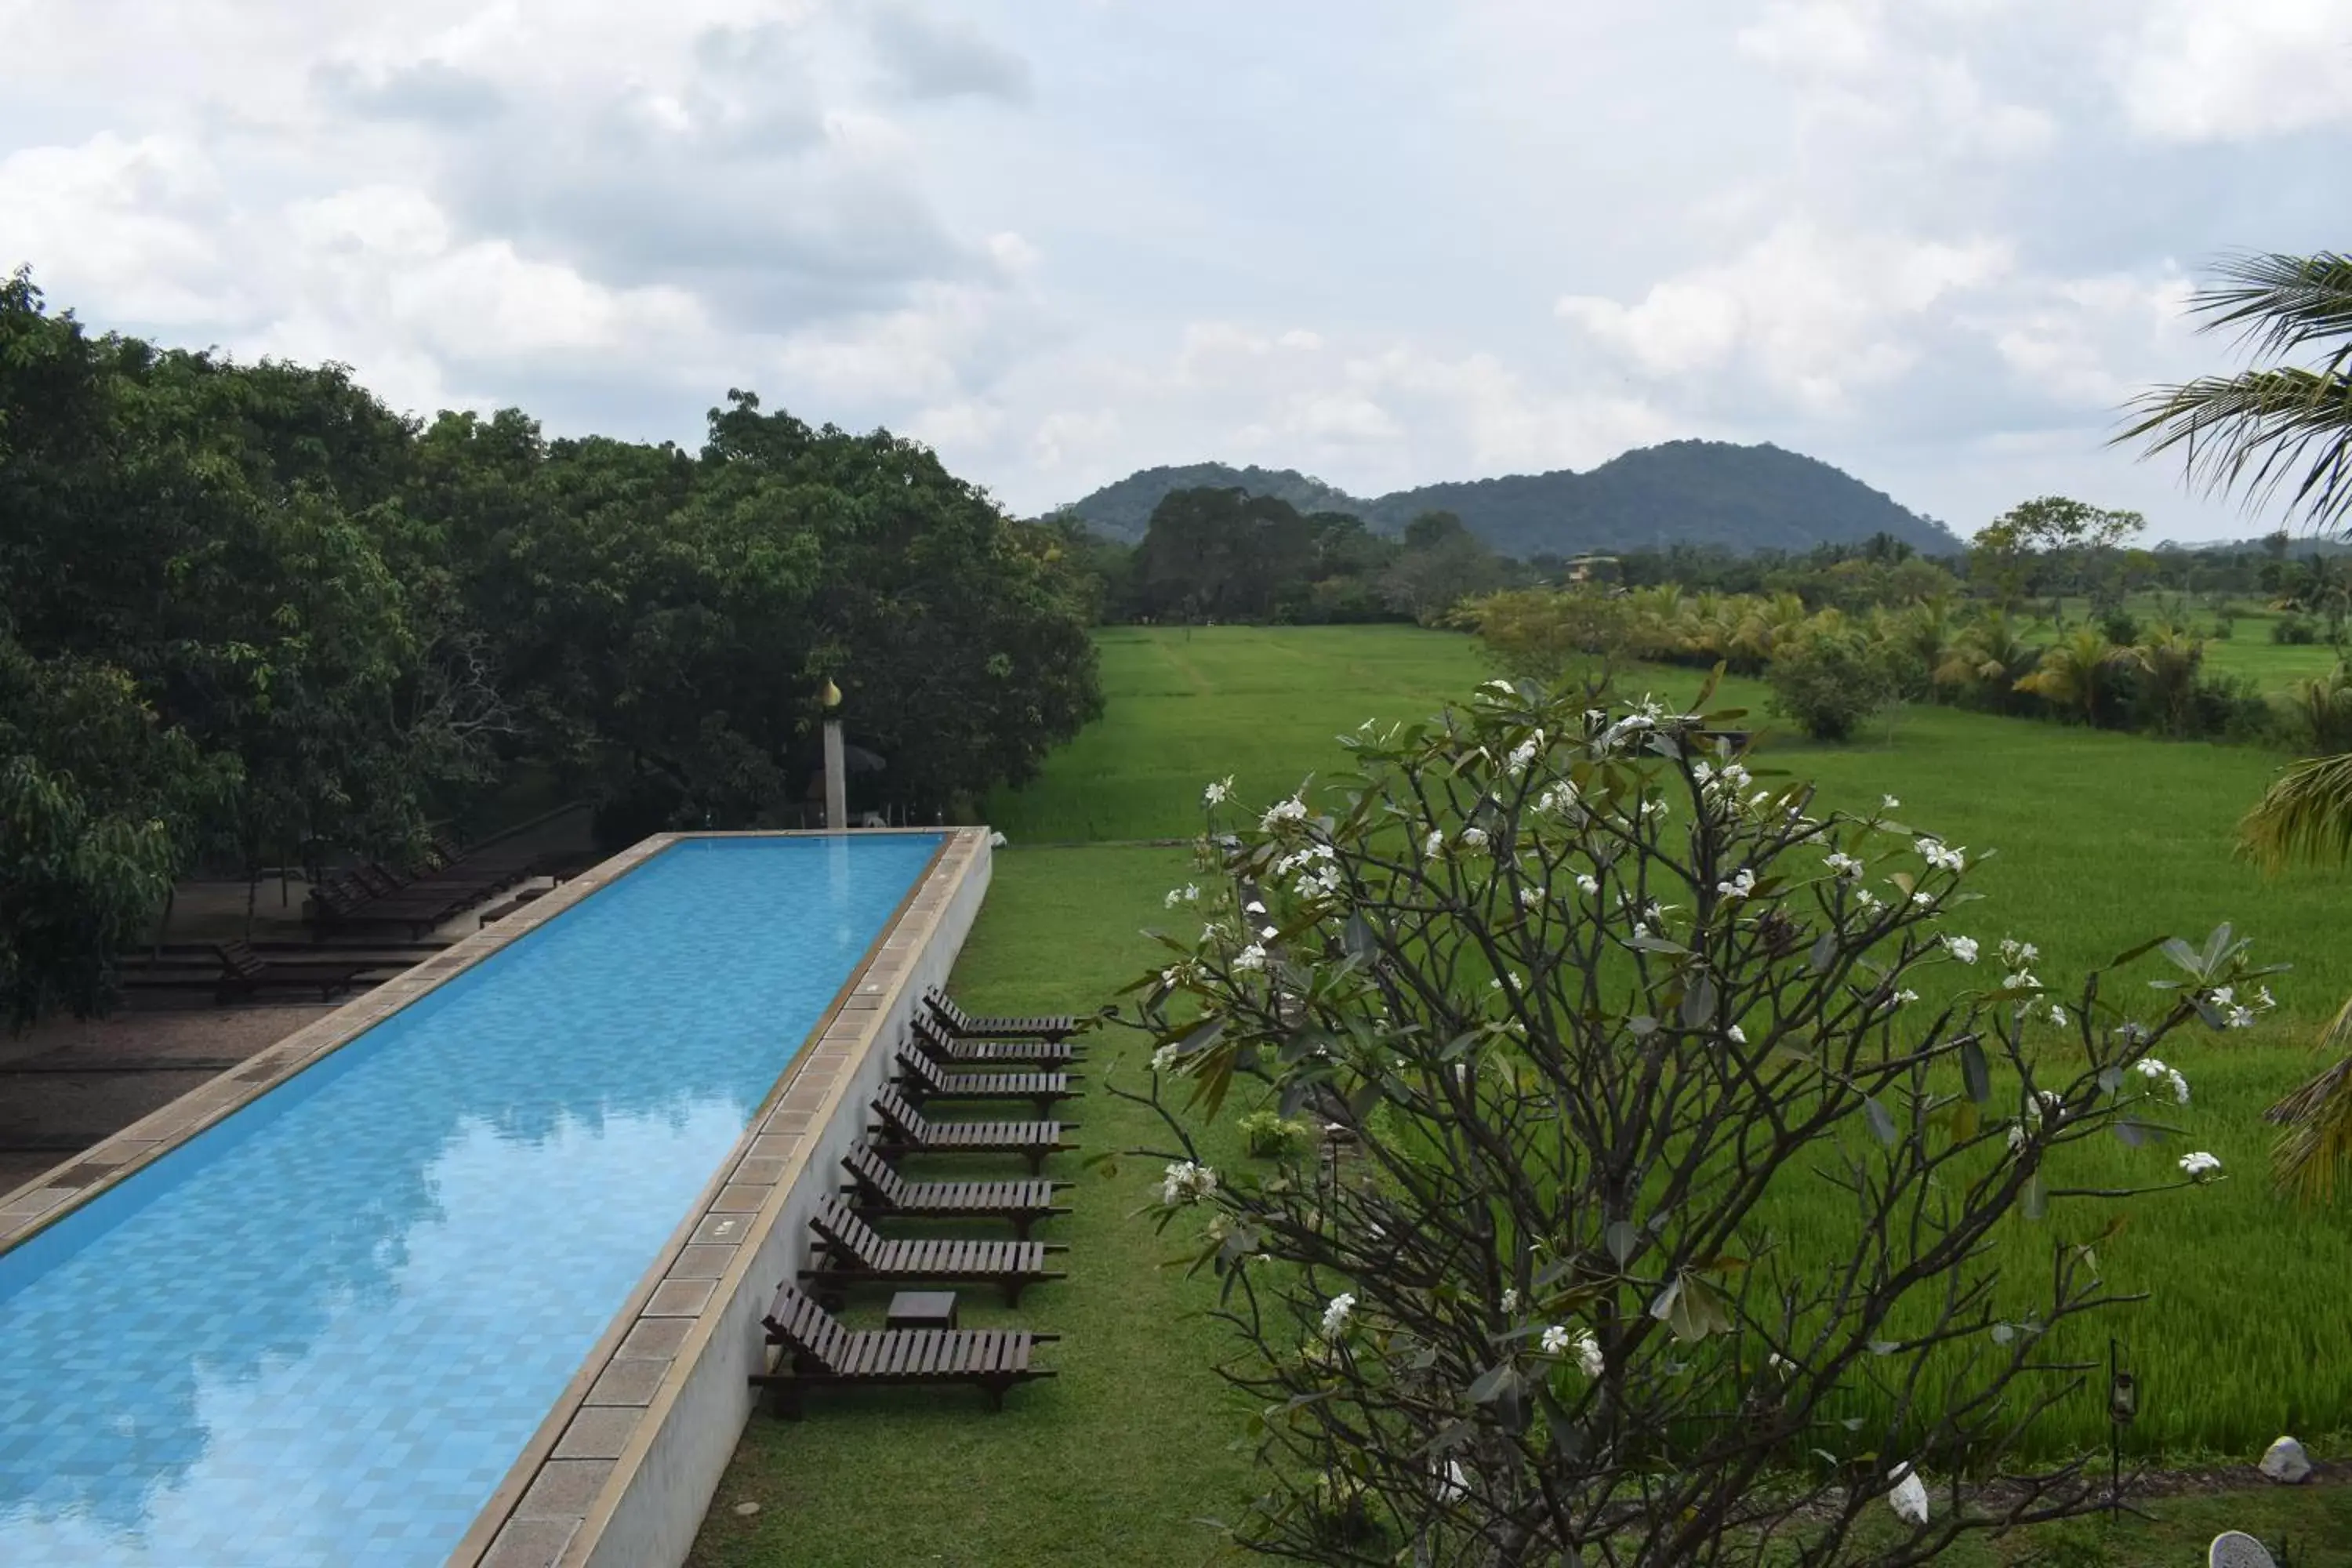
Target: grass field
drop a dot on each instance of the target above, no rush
(2103, 840)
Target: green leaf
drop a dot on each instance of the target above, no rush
(1974, 1073)
(2034, 1198)
(1699, 1003)
(1882, 1120)
(1823, 954)
(1497, 1382)
(1621, 1237)
(1357, 938)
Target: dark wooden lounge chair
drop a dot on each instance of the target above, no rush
(245, 973)
(906, 1131)
(854, 1253)
(965, 1026)
(875, 1190)
(818, 1353)
(930, 1037)
(339, 902)
(924, 1082)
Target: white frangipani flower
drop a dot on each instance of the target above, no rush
(1735, 1035)
(2150, 1068)
(1888, 803)
(1942, 856)
(1218, 793)
(1282, 813)
(1434, 844)
(1474, 838)
(1739, 887)
(1588, 1360)
(1249, 958)
(1590, 884)
(1845, 866)
(1963, 948)
(1555, 1340)
(1909, 1497)
(1510, 1300)
(1186, 1182)
(1163, 1059)
(1336, 1315)
(2200, 1165)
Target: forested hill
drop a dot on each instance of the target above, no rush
(1684, 492)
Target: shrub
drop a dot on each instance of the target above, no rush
(1830, 678)
(2297, 629)
(2120, 624)
(1601, 1016)
(1265, 1136)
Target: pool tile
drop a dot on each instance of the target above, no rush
(660, 1338)
(532, 1544)
(630, 1382)
(564, 1489)
(599, 1432)
(680, 1298)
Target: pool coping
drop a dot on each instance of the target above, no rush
(572, 1475)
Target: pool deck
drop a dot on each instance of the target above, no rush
(625, 1464)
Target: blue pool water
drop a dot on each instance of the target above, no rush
(321, 1332)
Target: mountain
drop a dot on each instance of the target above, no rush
(1123, 509)
(1682, 492)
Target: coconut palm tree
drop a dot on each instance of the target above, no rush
(2076, 671)
(2269, 423)
(2287, 416)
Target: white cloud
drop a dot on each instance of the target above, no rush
(1064, 243)
(139, 226)
(1809, 313)
(2227, 71)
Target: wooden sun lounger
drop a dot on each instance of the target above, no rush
(244, 972)
(965, 1026)
(924, 1082)
(906, 1131)
(339, 902)
(875, 1190)
(932, 1039)
(818, 1353)
(855, 1254)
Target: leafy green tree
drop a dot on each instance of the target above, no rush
(1831, 677)
(2051, 544)
(96, 804)
(1443, 563)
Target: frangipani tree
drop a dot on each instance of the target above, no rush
(1666, 1230)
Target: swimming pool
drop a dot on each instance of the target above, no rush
(323, 1331)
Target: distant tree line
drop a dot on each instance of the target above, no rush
(1223, 554)
(250, 616)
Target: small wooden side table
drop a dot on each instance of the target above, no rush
(922, 1309)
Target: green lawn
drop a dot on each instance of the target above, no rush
(2103, 840)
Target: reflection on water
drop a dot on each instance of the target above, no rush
(322, 1331)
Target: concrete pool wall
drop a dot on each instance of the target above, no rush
(625, 1464)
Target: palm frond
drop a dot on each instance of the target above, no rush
(2316, 1147)
(2279, 302)
(2307, 815)
(2251, 431)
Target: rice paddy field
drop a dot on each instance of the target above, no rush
(2103, 840)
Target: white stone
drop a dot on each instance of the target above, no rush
(2235, 1549)
(747, 1508)
(2286, 1461)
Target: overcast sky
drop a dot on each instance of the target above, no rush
(1936, 242)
